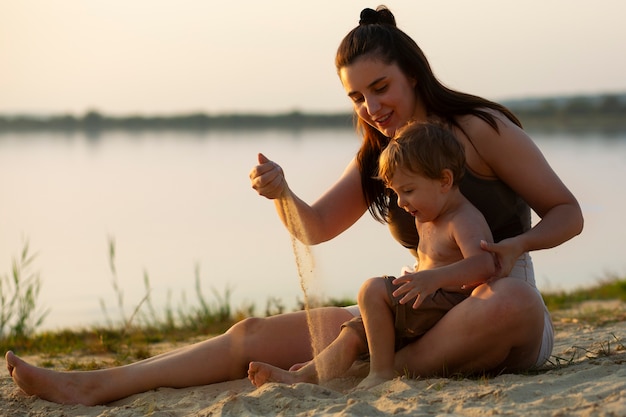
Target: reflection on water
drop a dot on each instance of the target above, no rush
(176, 201)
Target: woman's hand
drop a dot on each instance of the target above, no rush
(268, 178)
(505, 254)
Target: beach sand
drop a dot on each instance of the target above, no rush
(586, 377)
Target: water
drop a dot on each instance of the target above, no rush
(174, 202)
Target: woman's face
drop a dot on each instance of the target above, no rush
(381, 94)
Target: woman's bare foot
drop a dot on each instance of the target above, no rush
(260, 373)
(58, 387)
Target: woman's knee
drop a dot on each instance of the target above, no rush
(325, 321)
(511, 299)
(248, 327)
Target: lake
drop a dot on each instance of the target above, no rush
(178, 203)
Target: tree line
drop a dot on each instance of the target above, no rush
(578, 113)
(606, 112)
(94, 121)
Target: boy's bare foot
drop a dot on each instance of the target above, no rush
(260, 373)
(58, 387)
(298, 366)
(371, 381)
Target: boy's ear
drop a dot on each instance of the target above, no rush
(447, 180)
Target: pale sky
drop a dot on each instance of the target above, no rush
(179, 56)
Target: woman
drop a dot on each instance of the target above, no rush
(503, 325)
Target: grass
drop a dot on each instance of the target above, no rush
(132, 336)
(609, 288)
(19, 290)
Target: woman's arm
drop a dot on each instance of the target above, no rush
(334, 212)
(515, 159)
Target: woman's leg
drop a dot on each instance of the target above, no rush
(498, 328)
(280, 340)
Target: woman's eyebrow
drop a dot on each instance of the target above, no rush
(370, 85)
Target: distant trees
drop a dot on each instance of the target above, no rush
(612, 104)
(94, 121)
(606, 112)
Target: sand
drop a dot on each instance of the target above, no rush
(587, 377)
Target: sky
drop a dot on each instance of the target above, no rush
(157, 57)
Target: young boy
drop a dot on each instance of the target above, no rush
(422, 166)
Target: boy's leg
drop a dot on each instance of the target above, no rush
(377, 312)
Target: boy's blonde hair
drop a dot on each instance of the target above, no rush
(425, 149)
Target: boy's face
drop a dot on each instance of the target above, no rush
(422, 197)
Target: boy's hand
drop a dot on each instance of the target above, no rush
(415, 286)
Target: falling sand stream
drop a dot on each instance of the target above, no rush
(305, 264)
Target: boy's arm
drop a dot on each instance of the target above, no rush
(468, 272)
(476, 267)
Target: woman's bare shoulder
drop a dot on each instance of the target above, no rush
(477, 127)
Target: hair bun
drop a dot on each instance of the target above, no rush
(380, 16)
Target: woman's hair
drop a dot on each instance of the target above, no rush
(378, 37)
(424, 149)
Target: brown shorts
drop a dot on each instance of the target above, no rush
(412, 323)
